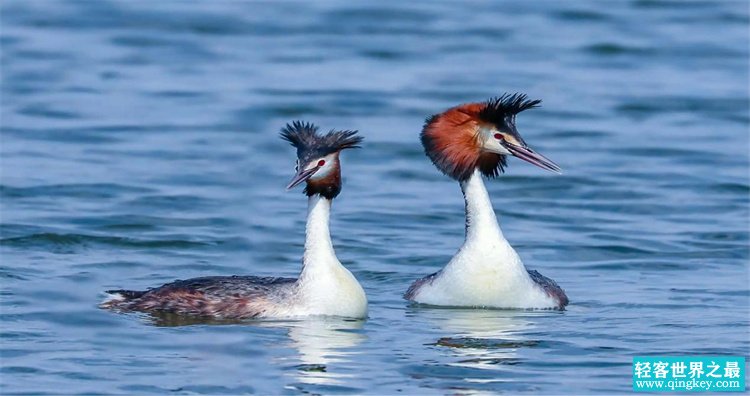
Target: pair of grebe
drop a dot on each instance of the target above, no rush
(465, 143)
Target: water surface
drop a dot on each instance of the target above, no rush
(139, 145)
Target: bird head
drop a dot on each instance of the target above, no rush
(480, 136)
(318, 161)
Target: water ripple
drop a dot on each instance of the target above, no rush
(140, 145)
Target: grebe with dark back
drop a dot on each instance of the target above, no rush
(324, 286)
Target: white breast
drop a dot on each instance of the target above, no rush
(492, 277)
(325, 287)
(486, 271)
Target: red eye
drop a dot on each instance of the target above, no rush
(321, 162)
(498, 136)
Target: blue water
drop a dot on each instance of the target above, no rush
(139, 145)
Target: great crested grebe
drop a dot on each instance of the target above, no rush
(324, 286)
(466, 142)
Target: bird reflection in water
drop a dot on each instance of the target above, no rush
(323, 344)
(480, 338)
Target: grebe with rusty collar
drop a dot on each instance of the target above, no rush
(324, 286)
(465, 143)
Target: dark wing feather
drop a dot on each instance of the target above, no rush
(222, 286)
(227, 297)
(414, 288)
(551, 288)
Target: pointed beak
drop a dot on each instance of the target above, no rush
(532, 156)
(301, 176)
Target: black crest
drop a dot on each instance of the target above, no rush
(502, 110)
(311, 145)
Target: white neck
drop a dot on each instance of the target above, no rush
(325, 286)
(318, 245)
(481, 223)
(485, 247)
(486, 271)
